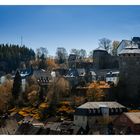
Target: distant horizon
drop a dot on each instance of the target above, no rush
(78, 27)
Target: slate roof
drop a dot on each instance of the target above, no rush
(94, 108)
(72, 57)
(41, 73)
(130, 49)
(72, 73)
(97, 105)
(27, 129)
(133, 116)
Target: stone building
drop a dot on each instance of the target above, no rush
(129, 65)
(93, 112)
(97, 115)
(103, 60)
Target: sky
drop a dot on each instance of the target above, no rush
(78, 27)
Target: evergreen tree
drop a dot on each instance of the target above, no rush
(16, 86)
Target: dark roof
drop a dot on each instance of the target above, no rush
(73, 73)
(72, 57)
(27, 129)
(136, 40)
(42, 74)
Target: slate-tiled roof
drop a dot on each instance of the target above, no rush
(41, 74)
(95, 108)
(27, 129)
(72, 57)
(97, 105)
(130, 49)
(72, 73)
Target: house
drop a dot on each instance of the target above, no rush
(72, 60)
(24, 73)
(122, 45)
(93, 75)
(2, 79)
(81, 72)
(97, 114)
(112, 76)
(59, 128)
(126, 43)
(43, 77)
(128, 123)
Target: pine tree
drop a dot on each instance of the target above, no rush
(16, 86)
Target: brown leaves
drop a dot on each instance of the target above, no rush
(5, 94)
(32, 96)
(95, 93)
(51, 64)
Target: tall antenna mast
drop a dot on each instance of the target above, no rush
(21, 41)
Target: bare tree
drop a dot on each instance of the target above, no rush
(105, 43)
(42, 51)
(75, 51)
(61, 54)
(115, 46)
(80, 53)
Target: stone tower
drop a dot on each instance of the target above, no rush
(100, 56)
(129, 65)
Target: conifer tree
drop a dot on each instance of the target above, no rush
(16, 86)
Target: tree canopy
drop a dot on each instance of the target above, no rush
(11, 56)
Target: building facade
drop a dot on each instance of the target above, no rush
(97, 115)
(129, 66)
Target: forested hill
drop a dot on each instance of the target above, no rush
(11, 56)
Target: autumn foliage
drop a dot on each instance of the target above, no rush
(94, 92)
(5, 94)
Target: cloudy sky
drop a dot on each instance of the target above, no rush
(67, 26)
